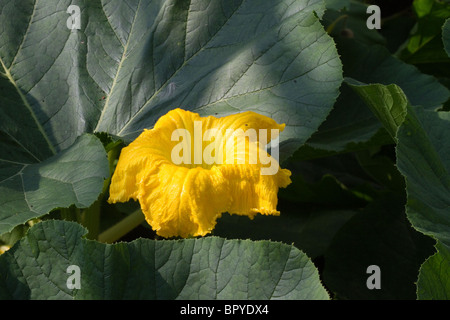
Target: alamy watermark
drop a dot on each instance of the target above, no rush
(374, 280)
(74, 279)
(247, 148)
(74, 21)
(374, 21)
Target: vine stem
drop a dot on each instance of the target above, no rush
(334, 23)
(122, 227)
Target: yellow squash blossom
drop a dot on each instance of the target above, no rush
(188, 170)
(4, 248)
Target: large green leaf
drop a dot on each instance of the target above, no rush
(423, 158)
(119, 73)
(133, 61)
(207, 268)
(72, 177)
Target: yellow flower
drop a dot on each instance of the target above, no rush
(188, 170)
(4, 248)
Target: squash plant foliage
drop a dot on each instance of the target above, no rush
(365, 137)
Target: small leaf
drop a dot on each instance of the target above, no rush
(73, 176)
(424, 45)
(434, 278)
(446, 36)
(388, 103)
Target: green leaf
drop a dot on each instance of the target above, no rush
(121, 74)
(351, 125)
(423, 153)
(207, 268)
(337, 4)
(434, 278)
(388, 103)
(133, 61)
(379, 235)
(422, 158)
(374, 64)
(73, 176)
(431, 15)
(382, 169)
(424, 47)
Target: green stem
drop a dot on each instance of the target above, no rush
(334, 23)
(122, 227)
(70, 213)
(90, 218)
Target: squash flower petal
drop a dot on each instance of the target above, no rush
(188, 170)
